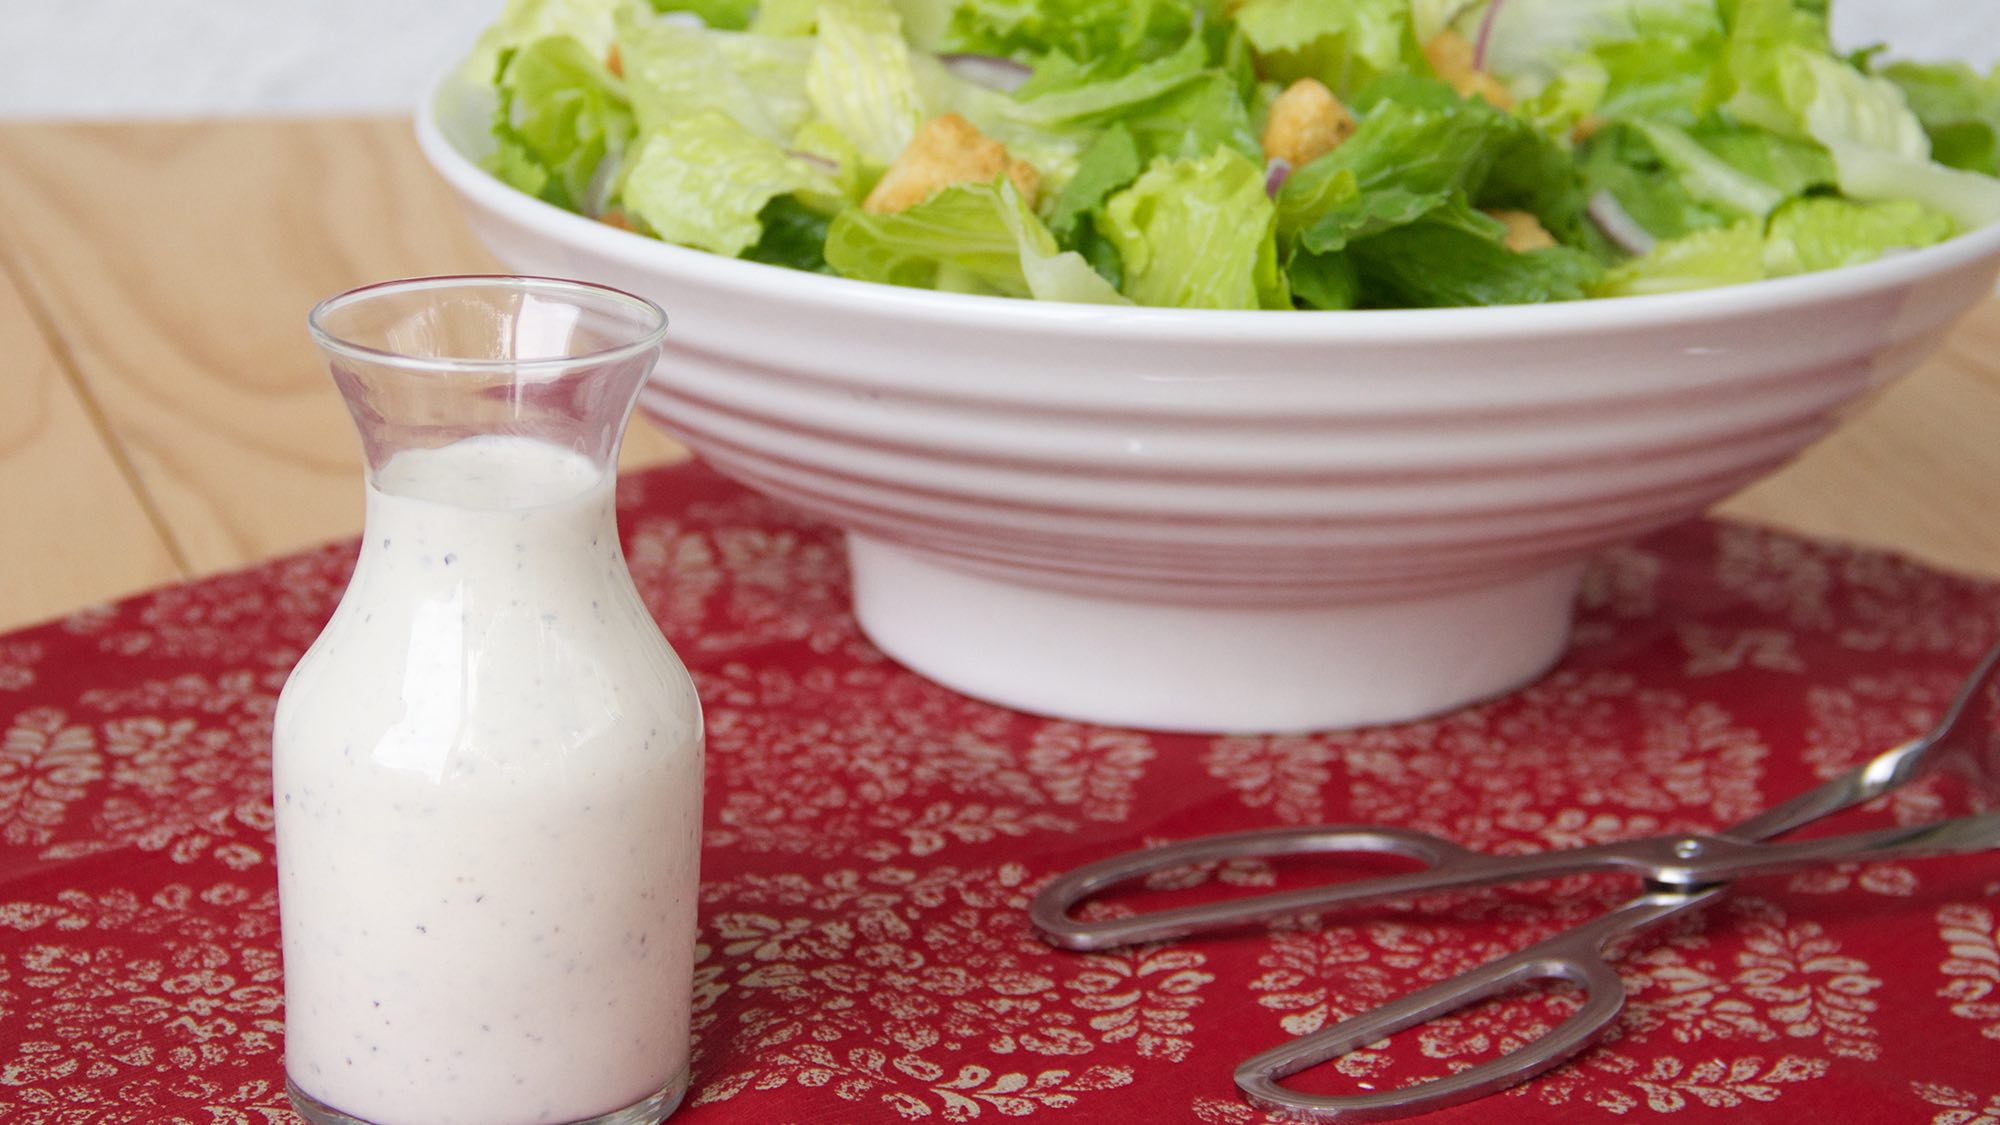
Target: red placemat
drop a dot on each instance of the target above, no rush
(873, 839)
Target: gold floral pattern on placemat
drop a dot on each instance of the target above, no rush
(872, 840)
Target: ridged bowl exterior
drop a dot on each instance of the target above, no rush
(1242, 460)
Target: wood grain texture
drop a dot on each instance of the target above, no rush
(178, 261)
(75, 530)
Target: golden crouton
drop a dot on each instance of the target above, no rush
(1306, 123)
(946, 150)
(1524, 231)
(1451, 56)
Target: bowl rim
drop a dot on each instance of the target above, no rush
(841, 295)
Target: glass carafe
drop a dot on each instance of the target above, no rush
(487, 769)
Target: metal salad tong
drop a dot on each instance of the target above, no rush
(1682, 873)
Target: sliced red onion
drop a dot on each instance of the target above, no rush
(1485, 33)
(825, 164)
(1275, 171)
(1618, 224)
(990, 71)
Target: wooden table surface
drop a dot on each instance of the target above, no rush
(165, 416)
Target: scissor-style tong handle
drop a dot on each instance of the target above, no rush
(1050, 910)
(1686, 871)
(1680, 861)
(1575, 956)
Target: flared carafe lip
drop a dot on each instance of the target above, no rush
(334, 344)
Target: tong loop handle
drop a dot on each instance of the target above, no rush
(1050, 909)
(1259, 1075)
(1446, 867)
(1574, 957)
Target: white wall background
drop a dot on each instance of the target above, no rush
(179, 58)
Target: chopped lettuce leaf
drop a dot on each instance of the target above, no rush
(561, 116)
(860, 79)
(1673, 182)
(1880, 150)
(723, 15)
(1052, 274)
(971, 238)
(673, 69)
(1959, 109)
(1344, 45)
(1727, 255)
(1311, 193)
(1621, 160)
(794, 236)
(1418, 146)
(1822, 233)
(1111, 162)
(1534, 39)
(1066, 93)
(1454, 256)
(1569, 98)
(1370, 213)
(1658, 79)
(702, 179)
(1194, 119)
(1324, 281)
(1078, 29)
(1707, 177)
(1425, 141)
(925, 22)
(1838, 105)
(785, 17)
(1793, 167)
(1758, 79)
(1972, 200)
(521, 22)
(1198, 234)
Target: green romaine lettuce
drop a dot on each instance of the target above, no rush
(1708, 178)
(1344, 45)
(1111, 162)
(521, 22)
(1454, 256)
(794, 236)
(860, 80)
(1532, 40)
(1959, 109)
(1823, 233)
(1079, 29)
(970, 238)
(1418, 146)
(723, 15)
(561, 115)
(701, 179)
(1781, 77)
(673, 69)
(1063, 93)
(1703, 259)
(1324, 281)
(1198, 234)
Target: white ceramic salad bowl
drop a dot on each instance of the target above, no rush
(1206, 520)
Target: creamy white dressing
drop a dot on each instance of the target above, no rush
(488, 792)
